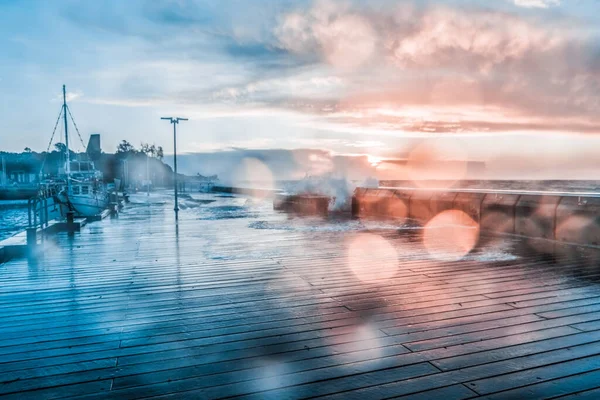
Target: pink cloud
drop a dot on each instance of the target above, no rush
(524, 74)
(479, 39)
(344, 38)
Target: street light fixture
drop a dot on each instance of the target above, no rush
(175, 121)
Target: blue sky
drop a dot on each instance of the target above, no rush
(503, 79)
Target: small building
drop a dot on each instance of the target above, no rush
(21, 177)
(18, 171)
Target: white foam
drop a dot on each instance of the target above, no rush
(340, 190)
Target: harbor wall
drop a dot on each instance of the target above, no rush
(563, 217)
(302, 204)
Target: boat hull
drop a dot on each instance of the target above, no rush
(83, 206)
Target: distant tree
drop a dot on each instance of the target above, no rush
(160, 153)
(60, 147)
(145, 148)
(27, 150)
(149, 149)
(125, 147)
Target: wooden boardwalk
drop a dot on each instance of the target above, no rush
(239, 301)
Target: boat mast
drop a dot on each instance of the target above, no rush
(68, 166)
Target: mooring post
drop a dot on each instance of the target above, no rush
(114, 204)
(70, 221)
(29, 207)
(114, 210)
(46, 211)
(35, 220)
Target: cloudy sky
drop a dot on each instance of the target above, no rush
(512, 82)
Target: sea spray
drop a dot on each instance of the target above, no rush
(340, 190)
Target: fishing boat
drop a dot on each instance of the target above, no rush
(84, 193)
(80, 188)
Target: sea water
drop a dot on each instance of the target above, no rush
(13, 217)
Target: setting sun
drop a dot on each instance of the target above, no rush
(374, 161)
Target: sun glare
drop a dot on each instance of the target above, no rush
(374, 161)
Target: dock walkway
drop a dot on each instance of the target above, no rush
(238, 300)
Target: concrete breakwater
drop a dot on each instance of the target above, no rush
(302, 203)
(565, 217)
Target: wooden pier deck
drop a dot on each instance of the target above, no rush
(240, 301)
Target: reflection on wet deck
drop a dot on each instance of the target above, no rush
(241, 301)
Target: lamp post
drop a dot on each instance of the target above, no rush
(175, 121)
(147, 176)
(124, 173)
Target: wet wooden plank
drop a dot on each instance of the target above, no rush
(63, 391)
(310, 383)
(585, 395)
(522, 325)
(553, 388)
(587, 326)
(454, 392)
(536, 375)
(298, 361)
(517, 350)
